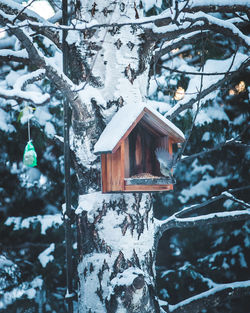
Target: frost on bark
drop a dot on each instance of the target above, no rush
(115, 232)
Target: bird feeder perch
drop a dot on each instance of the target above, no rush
(127, 148)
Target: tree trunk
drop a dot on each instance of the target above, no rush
(115, 232)
(116, 241)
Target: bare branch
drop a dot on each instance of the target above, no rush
(179, 155)
(222, 196)
(176, 110)
(24, 8)
(178, 220)
(232, 141)
(196, 73)
(210, 298)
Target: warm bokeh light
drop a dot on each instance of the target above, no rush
(179, 94)
(175, 50)
(241, 87)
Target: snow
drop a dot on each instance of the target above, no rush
(160, 106)
(42, 115)
(206, 136)
(45, 256)
(28, 289)
(46, 221)
(18, 7)
(21, 53)
(209, 114)
(243, 262)
(127, 277)
(73, 37)
(49, 129)
(5, 262)
(122, 121)
(4, 122)
(43, 8)
(148, 4)
(35, 97)
(202, 188)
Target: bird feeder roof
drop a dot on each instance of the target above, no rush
(124, 121)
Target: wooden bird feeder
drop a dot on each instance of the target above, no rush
(127, 148)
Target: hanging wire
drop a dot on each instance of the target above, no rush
(29, 124)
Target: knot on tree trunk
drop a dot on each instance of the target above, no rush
(131, 293)
(138, 282)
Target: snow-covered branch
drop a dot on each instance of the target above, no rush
(18, 93)
(15, 56)
(202, 220)
(56, 75)
(231, 142)
(179, 219)
(16, 14)
(217, 6)
(217, 25)
(211, 297)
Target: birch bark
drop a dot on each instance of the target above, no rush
(115, 232)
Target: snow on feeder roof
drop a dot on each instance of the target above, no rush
(128, 148)
(124, 121)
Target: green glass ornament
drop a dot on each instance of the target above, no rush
(29, 155)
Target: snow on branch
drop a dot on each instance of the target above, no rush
(217, 25)
(231, 142)
(55, 74)
(178, 42)
(17, 93)
(211, 297)
(179, 219)
(15, 13)
(15, 56)
(202, 220)
(217, 6)
(17, 10)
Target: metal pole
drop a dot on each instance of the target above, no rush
(68, 230)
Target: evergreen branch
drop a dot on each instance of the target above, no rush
(211, 297)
